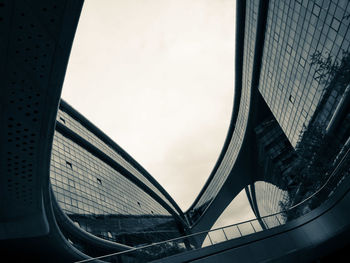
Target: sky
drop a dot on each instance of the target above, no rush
(157, 77)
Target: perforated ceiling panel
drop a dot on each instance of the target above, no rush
(35, 41)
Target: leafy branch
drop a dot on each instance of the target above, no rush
(329, 68)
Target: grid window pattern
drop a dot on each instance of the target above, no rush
(84, 184)
(268, 198)
(295, 30)
(241, 123)
(77, 127)
(93, 194)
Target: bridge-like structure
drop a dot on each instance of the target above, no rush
(36, 39)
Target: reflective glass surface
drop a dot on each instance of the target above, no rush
(289, 83)
(99, 199)
(240, 126)
(80, 129)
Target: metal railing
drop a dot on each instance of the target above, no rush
(211, 237)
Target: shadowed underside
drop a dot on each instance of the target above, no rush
(34, 51)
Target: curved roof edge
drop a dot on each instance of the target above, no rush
(258, 51)
(240, 27)
(64, 106)
(116, 166)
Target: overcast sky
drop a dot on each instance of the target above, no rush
(157, 77)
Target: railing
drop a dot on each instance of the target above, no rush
(211, 237)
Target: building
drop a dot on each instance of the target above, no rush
(301, 38)
(290, 79)
(283, 50)
(103, 190)
(69, 193)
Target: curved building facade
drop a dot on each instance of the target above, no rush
(235, 148)
(291, 62)
(305, 58)
(68, 192)
(103, 190)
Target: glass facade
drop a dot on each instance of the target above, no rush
(289, 82)
(240, 127)
(305, 51)
(268, 198)
(276, 160)
(100, 199)
(76, 126)
(303, 78)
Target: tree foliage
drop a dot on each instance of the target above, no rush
(329, 68)
(315, 149)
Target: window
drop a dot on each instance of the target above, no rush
(69, 165)
(99, 181)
